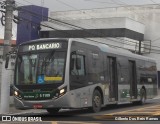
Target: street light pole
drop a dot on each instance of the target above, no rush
(5, 84)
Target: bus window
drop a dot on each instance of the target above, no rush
(27, 69)
(41, 68)
(77, 65)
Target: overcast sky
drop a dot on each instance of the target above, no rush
(64, 5)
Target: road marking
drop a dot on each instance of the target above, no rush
(69, 122)
(148, 111)
(138, 112)
(137, 109)
(54, 122)
(158, 113)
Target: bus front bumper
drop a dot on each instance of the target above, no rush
(41, 104)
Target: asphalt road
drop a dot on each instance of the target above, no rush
(122, 114)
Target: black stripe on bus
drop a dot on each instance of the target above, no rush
(91, 33)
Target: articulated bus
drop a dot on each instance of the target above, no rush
(77, 73)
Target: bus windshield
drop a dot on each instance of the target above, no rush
(41, 68)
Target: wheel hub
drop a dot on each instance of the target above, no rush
(97, 100)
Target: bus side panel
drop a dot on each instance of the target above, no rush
(82, 86)
(147, 78)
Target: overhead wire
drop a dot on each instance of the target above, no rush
(116, 41)
(99, 1)
(96, 1)
(24, 19)
(153, 1)
(65, 23)
(62, 22)
(66, 4)
(115, 3)
(158, 5)
(143, 16)
(27, 2)
(70, 25)
(63, 31)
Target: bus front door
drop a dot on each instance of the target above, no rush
(113, 82)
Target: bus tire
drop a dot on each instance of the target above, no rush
(143, 96)
(53, 111)
(96, 101)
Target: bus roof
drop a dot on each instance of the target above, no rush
(117, 51)
(102, 46)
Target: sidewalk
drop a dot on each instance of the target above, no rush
(13, 110)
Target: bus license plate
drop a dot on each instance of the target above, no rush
(37, 106)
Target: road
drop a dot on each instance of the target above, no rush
(110, 114)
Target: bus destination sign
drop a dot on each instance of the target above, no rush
(44, 46)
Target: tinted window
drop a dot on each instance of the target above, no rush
(77, 65)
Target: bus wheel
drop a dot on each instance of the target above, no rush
(96, 101)
(143, 96)
(53, 110)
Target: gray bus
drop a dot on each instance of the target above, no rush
(77, 73)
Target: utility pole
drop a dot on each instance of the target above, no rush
(5, 84)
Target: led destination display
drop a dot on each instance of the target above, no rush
(43, 46)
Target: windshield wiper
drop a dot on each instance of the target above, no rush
(48, 57)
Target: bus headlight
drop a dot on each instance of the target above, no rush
(60, 92)
(16, 93)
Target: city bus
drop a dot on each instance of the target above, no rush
(77, 73)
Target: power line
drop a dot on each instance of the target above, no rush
(24, 19)
(27, 2)
(59, 20)
(66, 4)
(83, 38)
(63, 23)
(71, 7)
(35, 14)
(103, 2)
(143, 16)
(129, 8)
(153, 1)
(158, 5)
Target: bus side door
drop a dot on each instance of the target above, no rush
(133, 79)
(113, 81)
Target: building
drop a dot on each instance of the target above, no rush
(29, 27)
(142, 21)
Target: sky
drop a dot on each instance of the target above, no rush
(65, 5)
